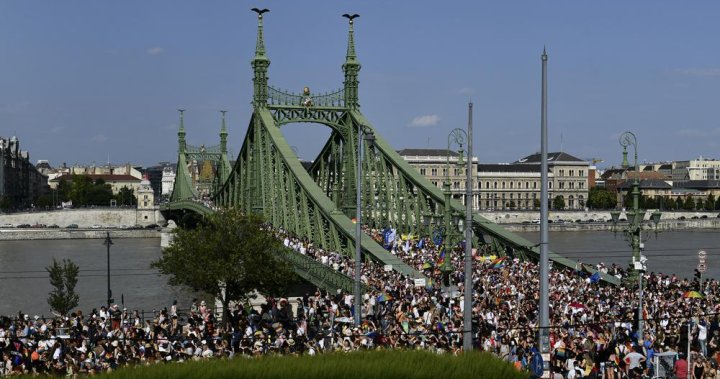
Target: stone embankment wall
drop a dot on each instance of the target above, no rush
(83, 218)
(518, 217)
(56, 234)
(667, 225)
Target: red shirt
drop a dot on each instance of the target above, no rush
(681, 367)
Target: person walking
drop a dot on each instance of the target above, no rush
(681, 367)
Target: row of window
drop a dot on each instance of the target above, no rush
(461, 171)
(581, 173)
(511, 185)
(434, 171)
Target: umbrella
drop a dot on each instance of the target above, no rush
(575, 304)
(693, 295)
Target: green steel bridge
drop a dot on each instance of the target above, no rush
(319, 203)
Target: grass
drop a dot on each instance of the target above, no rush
(366, 365)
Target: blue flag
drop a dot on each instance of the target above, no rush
(595, 277)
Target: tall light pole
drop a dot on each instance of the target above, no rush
(369, 137)
(107, 242)
(544, 332)
(467, 310)
(634, 229)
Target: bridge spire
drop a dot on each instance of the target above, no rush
(351, 67)
(223, 135)
(260, 64)
(181, 133)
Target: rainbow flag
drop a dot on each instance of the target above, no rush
(498, 263)
(441, 260)
(384, 297)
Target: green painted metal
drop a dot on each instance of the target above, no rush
(189, 205)
(183, 188)
(319, 274)
(317, 204)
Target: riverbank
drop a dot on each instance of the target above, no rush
(62, 234)
(663, 226)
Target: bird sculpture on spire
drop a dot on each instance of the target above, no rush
(351, 17)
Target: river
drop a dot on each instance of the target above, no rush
(24, 283)
(669, 252)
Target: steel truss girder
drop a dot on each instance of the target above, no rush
(272, 182)
(329, 116)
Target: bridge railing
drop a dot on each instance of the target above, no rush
(285, 98)
(319, 274)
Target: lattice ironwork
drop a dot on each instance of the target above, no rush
(278, 97)
(317, 204)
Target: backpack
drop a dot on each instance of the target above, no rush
(537, 365)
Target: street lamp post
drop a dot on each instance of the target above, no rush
(107, 242)
(635, 223)
(468, 293)
(457, 136)
(367, 136)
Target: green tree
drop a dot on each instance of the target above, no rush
(228, 256)
(44, 201)
(63, 278)
(100, 194)
(601, 198)
(679, 202)
(689, 204)
(80, 190)
(710, 202)
(5, 203)
(63, 191)
(125, 196)
(511, 204)
(667, 203)
(558, 202)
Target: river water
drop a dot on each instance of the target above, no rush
(24, 284)
(670, 252)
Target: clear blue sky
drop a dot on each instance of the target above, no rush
(83, 79)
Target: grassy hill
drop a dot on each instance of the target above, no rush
(366, 365)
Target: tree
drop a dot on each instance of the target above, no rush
(601, 198)
(511, 204)
(710, 202)
(536, 203)
(5, 203)
(80, 190)
(228, 256)
(44, 201)
(63, 278)
(125, 196)
(669, 203)
(558, 202)
(63, 191)
(689, 204)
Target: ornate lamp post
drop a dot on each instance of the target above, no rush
(635, 224)
(108, 242)
(369, 137)
(452, 220)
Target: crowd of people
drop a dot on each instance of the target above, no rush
(593, 325)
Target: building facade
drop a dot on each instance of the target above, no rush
(696, 169)
(440, 165)
(509, 186)
(20, 182)
(567, 177)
